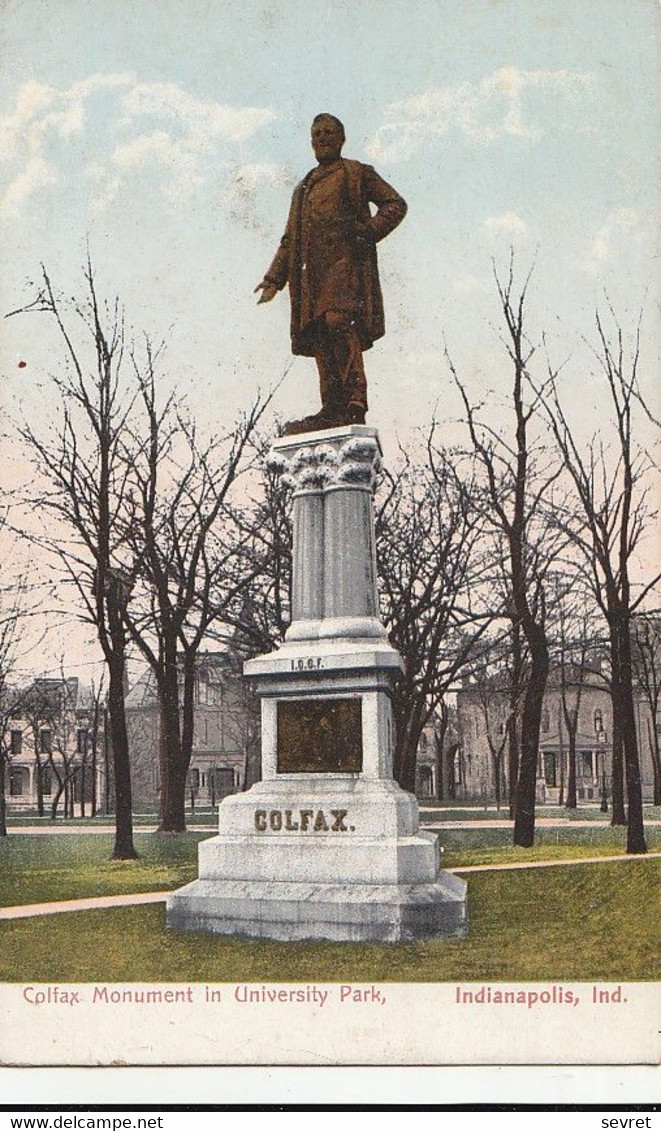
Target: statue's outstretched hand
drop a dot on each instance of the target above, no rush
(268, 290)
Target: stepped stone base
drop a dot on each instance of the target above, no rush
(338, 912)
(339, 859)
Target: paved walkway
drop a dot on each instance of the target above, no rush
(95, 903)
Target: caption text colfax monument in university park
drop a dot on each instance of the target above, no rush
(327, 845)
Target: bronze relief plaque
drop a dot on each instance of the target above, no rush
(320, 736)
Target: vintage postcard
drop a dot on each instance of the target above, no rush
(330, 617)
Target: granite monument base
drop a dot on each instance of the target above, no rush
(335, 859)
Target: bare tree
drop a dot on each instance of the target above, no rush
(519, 484)
(260, 611)
(81, 459)
(429, 572)
(574, 661)
(495, 703)
(614, 510)
(12, 619)
(184, 569)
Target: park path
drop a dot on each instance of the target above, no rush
(95, 903)
(90, 903)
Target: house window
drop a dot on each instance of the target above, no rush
(549, 768)
(586, 763)
(16, 782)
(46, 782)
(194, 779)
(598, 721)
(203, 687)
(45, 742)
(16, 742)
(82, 742)
(546, 722)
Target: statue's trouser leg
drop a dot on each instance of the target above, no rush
(339, 360)
(329, 384)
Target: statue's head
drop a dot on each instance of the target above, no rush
(327, 138)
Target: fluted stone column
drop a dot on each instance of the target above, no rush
(334, 590)
(308, 561)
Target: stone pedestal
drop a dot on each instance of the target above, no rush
(327, 845)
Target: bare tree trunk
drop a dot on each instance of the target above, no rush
(655, 753)
(571, 801)
(40, 786)
(3, 798)
(513, 735)
(56, 801)
(124, 848)
(617, 784)
(439, 747)
(635, 830)
(408, 730)
(561, 790)
(93, 798)
(524, 820)
(173, 780)
(496, 780)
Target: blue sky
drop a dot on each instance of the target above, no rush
(171, 133)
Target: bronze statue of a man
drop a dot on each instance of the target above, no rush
(328, 257)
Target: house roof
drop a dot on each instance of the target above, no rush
(143, 693)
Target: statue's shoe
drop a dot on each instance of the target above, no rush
(315, 423)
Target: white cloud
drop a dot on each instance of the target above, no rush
(623, 221)
(165, 129)
(485, 111)
(202, 122)
(35, 174)
(507, 222)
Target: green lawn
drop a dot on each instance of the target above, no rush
(35, 869)
(494, 846)
(584, 923)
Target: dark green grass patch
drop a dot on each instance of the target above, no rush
(596, 922)
(39, 869)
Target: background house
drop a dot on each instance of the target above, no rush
(225, 740)
(483, 711)
(56, 747)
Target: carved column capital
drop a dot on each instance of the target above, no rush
(338, 459)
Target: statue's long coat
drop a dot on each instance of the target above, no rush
(364, 186)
